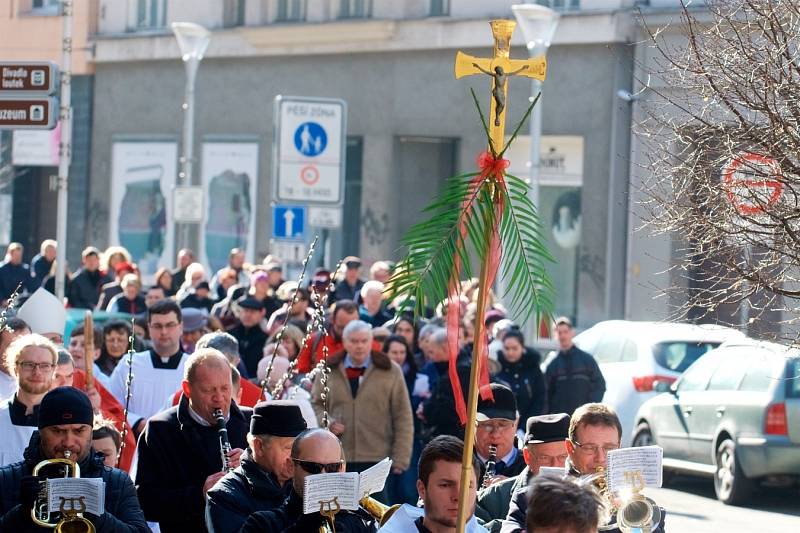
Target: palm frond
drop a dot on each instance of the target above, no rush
(435, 244)
(525, 256)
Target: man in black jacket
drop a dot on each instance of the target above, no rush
(65, 428)
(594, 430)
(573, 377)
(179, 450)
(249, 333)
(262, 480)
(314, 451)
(84, 289)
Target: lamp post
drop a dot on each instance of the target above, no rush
(538, 24)
(193, 41)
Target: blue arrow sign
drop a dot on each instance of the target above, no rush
(289, 222)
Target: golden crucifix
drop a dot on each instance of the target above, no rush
(499, 67)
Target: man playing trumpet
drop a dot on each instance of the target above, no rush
(65, 431)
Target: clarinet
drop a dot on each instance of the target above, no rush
(491, 466)
(224, 444)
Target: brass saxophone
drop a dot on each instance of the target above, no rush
(491, 467)
(224, 443)
(634, 513)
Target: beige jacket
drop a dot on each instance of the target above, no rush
(378, 421)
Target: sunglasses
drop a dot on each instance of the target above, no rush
(315, 468)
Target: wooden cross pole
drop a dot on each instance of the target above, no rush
(499, 67)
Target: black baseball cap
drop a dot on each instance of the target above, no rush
(503, 406)
(547, 428)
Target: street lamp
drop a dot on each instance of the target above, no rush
(193, 41)
(538, 24)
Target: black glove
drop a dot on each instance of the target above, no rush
(29, 488)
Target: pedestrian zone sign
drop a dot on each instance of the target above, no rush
(308, 149)
(288, 222)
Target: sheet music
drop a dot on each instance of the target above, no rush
(632, 467)
(373, 478)
(92, 490)
(551, 471)
(342, 486)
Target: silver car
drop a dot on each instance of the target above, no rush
(733, 415)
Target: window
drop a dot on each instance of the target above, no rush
(697, 376)
(561, 5)
(761, 374)
(678, 356)
(233, 13)
(440, 8)
(151, 14)
(793, 378)
(351, 9)
(728, 375)
(290, 11)
(46, 7)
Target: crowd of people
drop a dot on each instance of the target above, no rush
(325, 377)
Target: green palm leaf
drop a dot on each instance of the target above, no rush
(436, 245)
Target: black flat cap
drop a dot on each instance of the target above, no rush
(280, 418)
(546, 428)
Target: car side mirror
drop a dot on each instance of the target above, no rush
(663, 386)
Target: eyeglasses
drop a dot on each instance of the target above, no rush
(315, 468)
(592, 449)
(30, 367)
(159, 327)
(550, 459)
(496, 427)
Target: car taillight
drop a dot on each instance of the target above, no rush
(645, 383)
(776, 420)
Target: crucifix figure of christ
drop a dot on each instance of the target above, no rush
(499, 67)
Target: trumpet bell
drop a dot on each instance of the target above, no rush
(639, 514)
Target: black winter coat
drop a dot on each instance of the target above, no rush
(289, 518)
(525, 378)
(175, 456)
(241, 493)
(84, 289)
(439, 409)
(251, 346)
(123, 514)
(573, 379)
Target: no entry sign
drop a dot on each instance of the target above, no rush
(752, 182)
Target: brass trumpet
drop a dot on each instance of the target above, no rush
(68, 520)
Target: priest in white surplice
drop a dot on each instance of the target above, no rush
(32, 360)
(13, 329)
(157, 372)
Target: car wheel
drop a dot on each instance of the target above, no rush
(730, 483)
(644, 437)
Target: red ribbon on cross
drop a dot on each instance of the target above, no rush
(493, 169)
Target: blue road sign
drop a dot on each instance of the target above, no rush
(289, 222)
(310, 139)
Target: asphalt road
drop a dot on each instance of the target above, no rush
(692, 508)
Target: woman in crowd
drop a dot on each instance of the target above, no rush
(291, 340)
(116, 335)
(519, 369)
(402, 487)
(163, 279)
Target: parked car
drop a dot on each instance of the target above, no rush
(733, 415)
(634, 355)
